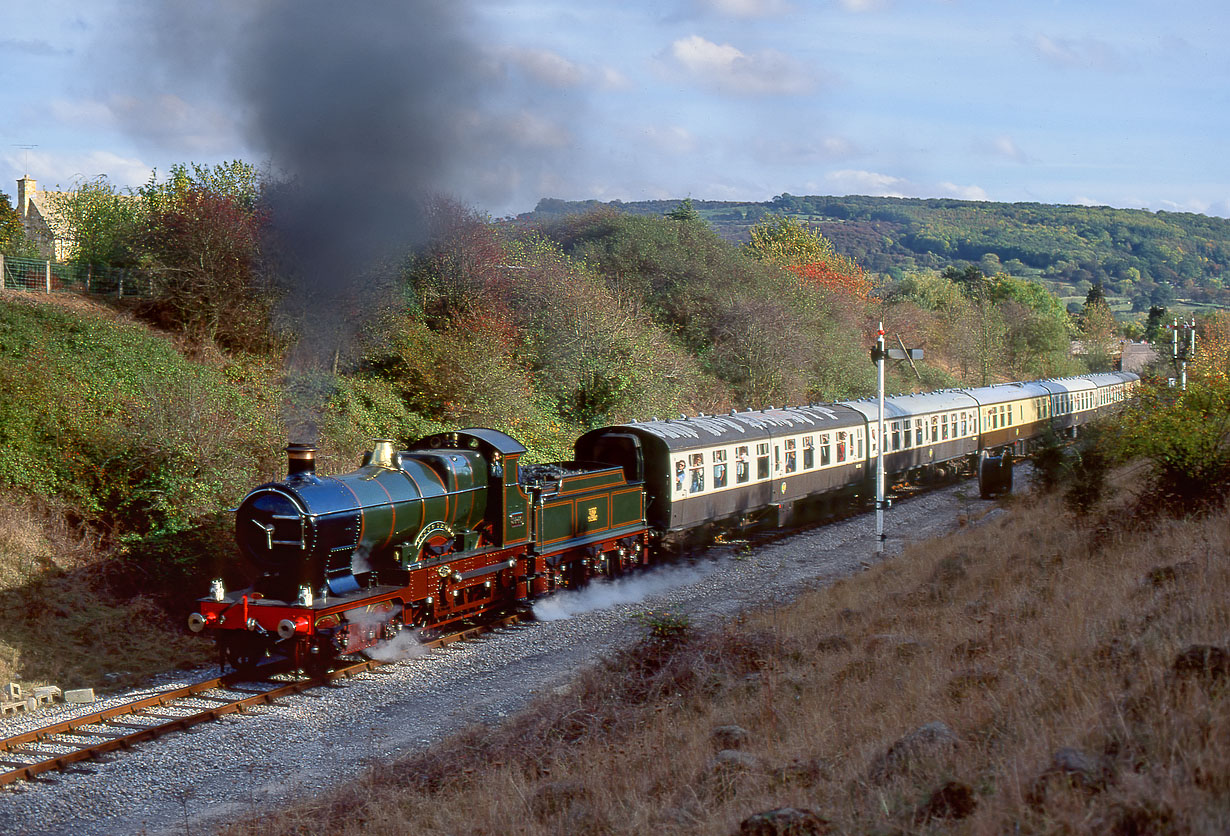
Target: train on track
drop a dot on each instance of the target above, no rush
(455, 526)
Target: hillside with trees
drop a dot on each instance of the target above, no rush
(130, 425)
(1143, 258)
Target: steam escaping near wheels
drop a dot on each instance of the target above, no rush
(600, 594)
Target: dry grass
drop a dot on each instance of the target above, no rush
(1025, 637)
(61, 620)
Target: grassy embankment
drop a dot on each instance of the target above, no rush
(1052, 648)
(114, 448)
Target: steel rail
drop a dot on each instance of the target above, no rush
(136, 733)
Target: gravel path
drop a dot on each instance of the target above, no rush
(190, 782)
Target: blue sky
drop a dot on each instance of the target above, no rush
(1117, 102)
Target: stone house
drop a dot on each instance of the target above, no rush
(38, 217)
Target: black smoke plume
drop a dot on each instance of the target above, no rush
(363, 110)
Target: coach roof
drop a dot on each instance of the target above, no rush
(686, 433)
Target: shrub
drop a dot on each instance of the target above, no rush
(1185, 437)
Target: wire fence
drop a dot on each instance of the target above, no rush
(40, 276)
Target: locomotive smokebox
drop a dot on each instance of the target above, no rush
(300, 458)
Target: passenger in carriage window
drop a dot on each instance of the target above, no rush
(680, 467)
(791, 461)
(742, 472)
(719, 468)
(698, 472)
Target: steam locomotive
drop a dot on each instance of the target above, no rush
(456, 527)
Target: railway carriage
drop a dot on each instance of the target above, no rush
(924, 432)
(713, 469)
(1011, 415)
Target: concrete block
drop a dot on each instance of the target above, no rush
(80, 696)
(47, 693)
(12, 691)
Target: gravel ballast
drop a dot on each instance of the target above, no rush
(220, 771)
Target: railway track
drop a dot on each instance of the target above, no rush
(59, 746)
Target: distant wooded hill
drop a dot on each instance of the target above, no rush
(1147, 258)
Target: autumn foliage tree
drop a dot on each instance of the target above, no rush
(200, 251)
(808, 255)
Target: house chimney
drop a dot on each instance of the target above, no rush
(26, 189)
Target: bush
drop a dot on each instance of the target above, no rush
(1185, 437)
(114, 421)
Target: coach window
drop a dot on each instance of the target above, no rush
(964, 423)
(859, 435)
(719, 468)
(841, 446)
(895, 438)
(792, 462)
(944, 427)
(952, 420)
(826, 450)
(698, 472)
(680, 473)
(935, 429)
(762, 460)
(1009, 409)
(809, 452)
(918, 432)
(743, 470)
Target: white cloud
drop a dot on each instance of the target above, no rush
(862, 5)
(961, 192)
(60, 172)
(873, 183)
(746, 8)
(613, 79)
(727, 69)
(877, 184)
(803, 151)
(547, 67)
(530, 130)
(671, 139)
(554, 70)
(165, 121)
(1003, 146)
(1220, 208)
(1090, 53)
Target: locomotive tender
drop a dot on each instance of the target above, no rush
(457, 527)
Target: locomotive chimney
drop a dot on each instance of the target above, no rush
(300, 458)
